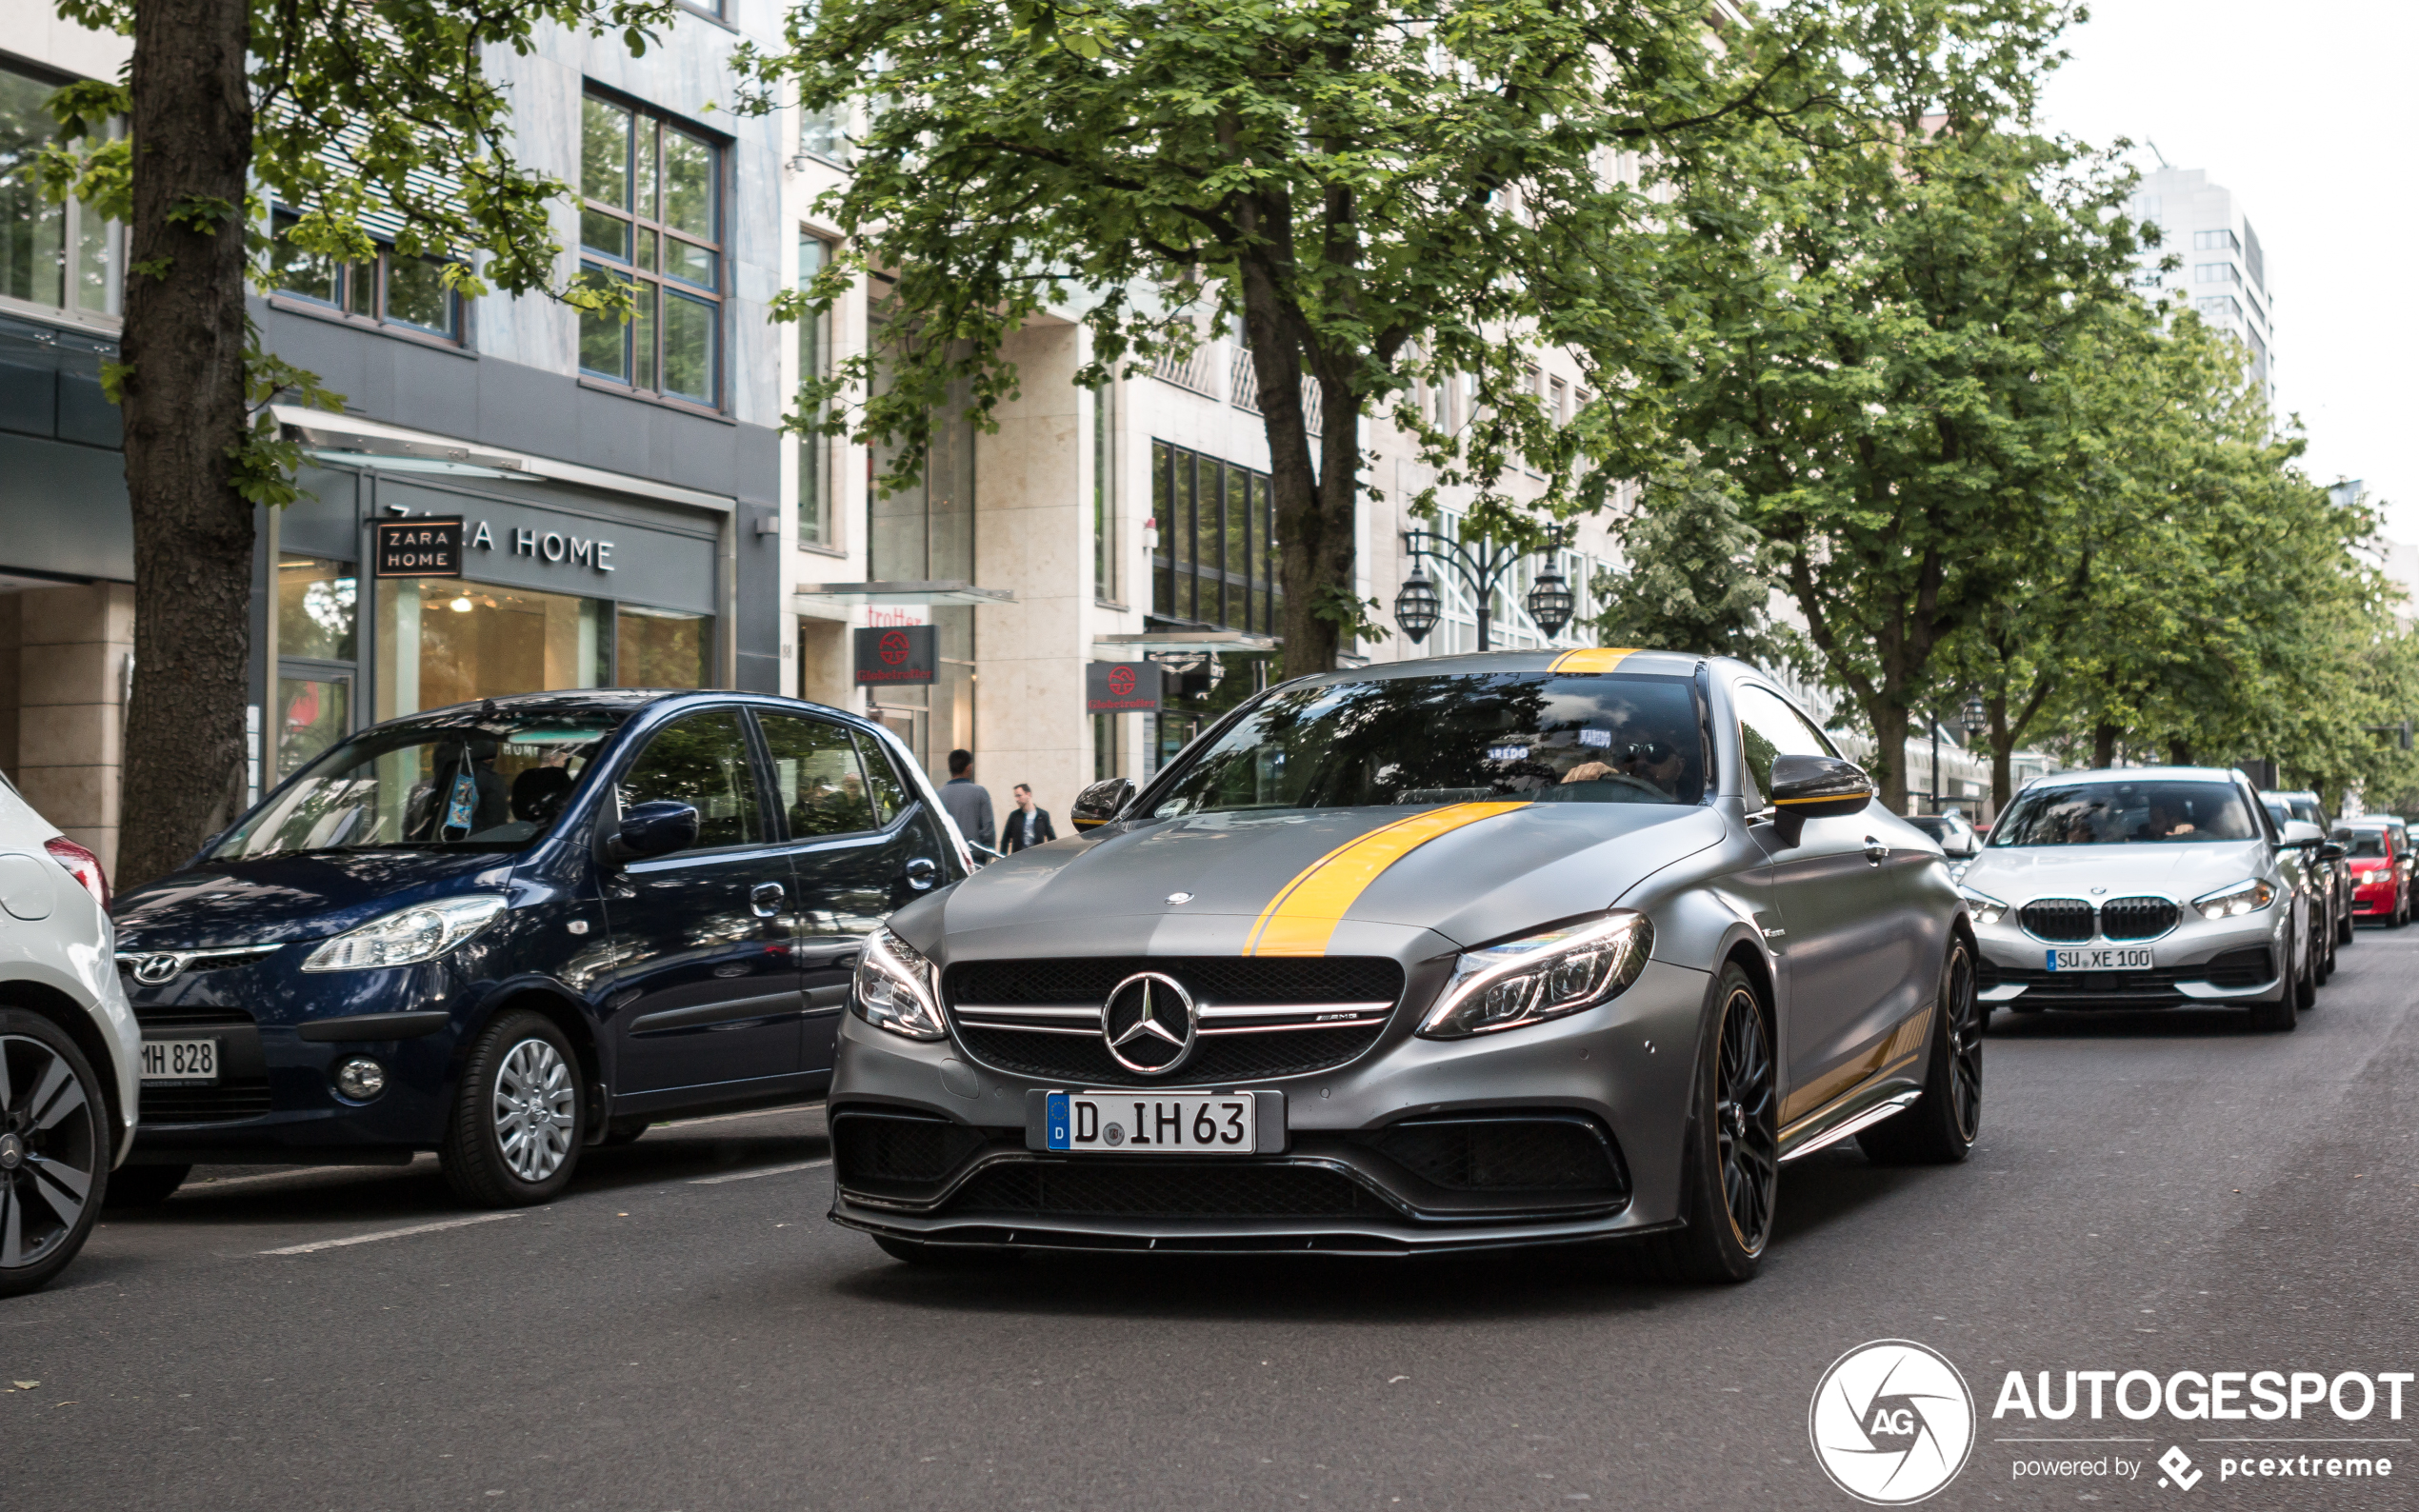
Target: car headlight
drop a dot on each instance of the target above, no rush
(893, 988)
(1983, 906)
(2233, 903)
(423, 932)
(1541, 976)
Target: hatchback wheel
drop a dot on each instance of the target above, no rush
(518, 1122)
(1731, 1167)
(54, 1151)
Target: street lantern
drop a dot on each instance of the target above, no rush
(1977, 718)
(1417, 607)
(1550, 601)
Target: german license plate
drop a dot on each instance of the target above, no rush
(1169, 1124)
(2113, 958)
(168, 1061)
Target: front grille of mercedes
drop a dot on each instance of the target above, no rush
(1261, 1018)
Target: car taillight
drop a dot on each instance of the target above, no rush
(84, 867)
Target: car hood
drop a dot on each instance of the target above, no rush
(2018, 874)
(278, 899)
(1468, 876)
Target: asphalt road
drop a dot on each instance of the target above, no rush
(686, 1332)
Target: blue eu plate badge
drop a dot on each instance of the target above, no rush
(1057, 1120)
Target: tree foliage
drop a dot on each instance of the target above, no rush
(1695, 576)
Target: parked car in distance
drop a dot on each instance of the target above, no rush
(67, 1047)
(2377, 853)
(2306, 808)
(1957, 838)
(2143, 887)
(507, 930)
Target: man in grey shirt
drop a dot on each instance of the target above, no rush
(968, 803)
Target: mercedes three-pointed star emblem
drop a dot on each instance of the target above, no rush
(1148, 1023)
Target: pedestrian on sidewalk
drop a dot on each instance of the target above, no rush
(1027, 825)
(967, 801)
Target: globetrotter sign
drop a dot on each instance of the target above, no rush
(898, 653)
(1121, 687)
(425, 546)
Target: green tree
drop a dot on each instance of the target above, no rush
(1892, 308)
(1696, 578)
(332, 110)
(1378, 195)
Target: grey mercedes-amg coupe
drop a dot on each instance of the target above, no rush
(1474, 951)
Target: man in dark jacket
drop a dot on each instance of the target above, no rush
(967, 801)
(1027, 825)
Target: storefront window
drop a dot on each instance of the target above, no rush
(315, 712)
(663, 648)
(442, 642)
(315, 608)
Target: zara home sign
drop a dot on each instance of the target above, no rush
(550, 546)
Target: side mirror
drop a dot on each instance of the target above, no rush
(656, 828)
(1806, 787)
(2331, 851)
(2301, 833)
(1100, 802)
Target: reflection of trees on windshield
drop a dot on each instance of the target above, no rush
(2121, 813)
(1435, 740)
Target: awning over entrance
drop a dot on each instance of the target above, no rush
(943, 592)
(1242, 642)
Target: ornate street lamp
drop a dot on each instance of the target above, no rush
(1417, 607)
(1552, 600)
(1977, 719)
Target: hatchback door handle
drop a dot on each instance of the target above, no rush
(1874, 850)
(766, 899)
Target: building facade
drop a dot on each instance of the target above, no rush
(2224, 271)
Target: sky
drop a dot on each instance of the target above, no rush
(2305, 113)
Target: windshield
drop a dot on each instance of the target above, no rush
(1467, 738)
(2362, 841)
(2307, 810)
(1937, 828)
(2122, 813)
(493, 785)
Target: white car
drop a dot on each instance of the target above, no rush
(2146, 888)
(69, 1050)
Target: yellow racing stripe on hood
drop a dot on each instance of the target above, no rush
(1592, 659)
(1301, 919)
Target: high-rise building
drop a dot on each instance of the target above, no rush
(2223, 273)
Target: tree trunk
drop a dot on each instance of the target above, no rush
(2179, 751)
(1890, 751)
(1309, 540)
(2104, 745)
(183, 393)
(2003, 750)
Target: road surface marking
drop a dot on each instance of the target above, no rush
(769, 1170)
(318, 1244)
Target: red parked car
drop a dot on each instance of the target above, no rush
(2378, 851)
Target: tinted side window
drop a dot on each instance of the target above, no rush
(701, 760)
(890, 794)
(815, 777)
(1769, 727)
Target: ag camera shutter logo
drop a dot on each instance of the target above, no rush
(1892, 1422)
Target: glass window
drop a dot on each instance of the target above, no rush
(816, 776)
(663, 648)
(882, 780)
(824, 133)
(700, 760)
(814, 361)
(451, 783)
(651, 220)
(442, 642)
(313, 714)
(2219, 241)
(2104, 813)
(315, 608)
(1769, 727)
(62, 256)
(1216, 559)
(1524, 737)
(2216, 273)
(1105, 493)
(390, 288)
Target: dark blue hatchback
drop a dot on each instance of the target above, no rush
(507, 930)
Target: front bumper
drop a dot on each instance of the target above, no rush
(275, 1097)
(2373, 900)
(2200, 961)
(1357, 1173)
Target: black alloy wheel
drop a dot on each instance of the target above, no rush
(1941, 1127)
(1730, 1164)
(2343, 918)
(2305, 979)
(54, 1150)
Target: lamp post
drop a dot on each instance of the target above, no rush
(1480, 565)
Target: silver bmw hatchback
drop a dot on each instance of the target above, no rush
(1474, 951)
(2147, 887)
